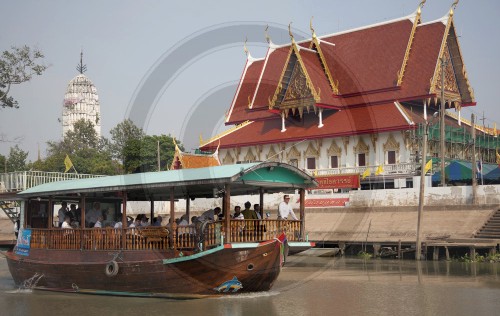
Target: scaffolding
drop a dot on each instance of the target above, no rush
(458, 142)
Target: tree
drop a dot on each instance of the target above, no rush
(18, 65)
(141, 155)
(123, 133)
(17, 159)
(3, 161)
(88, 153)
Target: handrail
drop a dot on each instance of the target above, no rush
(22, 180)
(186, 238)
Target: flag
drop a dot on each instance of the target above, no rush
(379, 170)
(366, 173)
(495, 130)
(67, 163)
(428, 166)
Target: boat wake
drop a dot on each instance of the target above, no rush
(249, 295)
(28, 285)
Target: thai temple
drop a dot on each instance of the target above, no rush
(354, 105)
(81, 101)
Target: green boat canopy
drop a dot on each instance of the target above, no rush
(207, 182)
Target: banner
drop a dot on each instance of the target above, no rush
(338, 181)
(23, 242)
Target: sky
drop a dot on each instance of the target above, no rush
(173, 66)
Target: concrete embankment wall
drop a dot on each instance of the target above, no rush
(391, 215)
(393, 224)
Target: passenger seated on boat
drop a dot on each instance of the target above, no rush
(91, 216)
(66, 222)
(98, 224)
(256, 209)
(137, 222)
(157, 221)
(144, 220)
(118, 225)
(249, 213)
(194, 219)
(183, 221)
(237, 213)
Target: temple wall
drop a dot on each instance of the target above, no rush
(319, 149)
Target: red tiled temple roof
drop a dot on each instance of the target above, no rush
(384, 117)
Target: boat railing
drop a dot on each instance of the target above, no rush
(186, 238)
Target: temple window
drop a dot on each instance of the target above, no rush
(362, 160)
(311, 163)
(334, 161)
(391, 157)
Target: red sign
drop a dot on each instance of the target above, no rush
(338, 181)
(326, 202)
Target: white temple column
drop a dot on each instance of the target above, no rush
(320, 125)
(283, 129)
(425, 110)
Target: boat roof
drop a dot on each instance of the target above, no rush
(206, 182)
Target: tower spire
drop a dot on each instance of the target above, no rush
(81, 68)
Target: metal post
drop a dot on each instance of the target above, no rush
(227, 212)
(302, 214)
(422, 192)
(124, 220)
(442, 127)
(474, 169)
(173, 225)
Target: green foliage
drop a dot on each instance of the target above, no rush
(365, 255)
(17, 159)
(88, 152)
(18, 65)
(492, 258)
(3, 160)
(141, 155)
(122, 134)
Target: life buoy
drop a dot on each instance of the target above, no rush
(111, 269)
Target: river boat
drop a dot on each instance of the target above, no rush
(210, 258)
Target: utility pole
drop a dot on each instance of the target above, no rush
(418, 250)
(158, 158)
(441, 122)
(474, 166)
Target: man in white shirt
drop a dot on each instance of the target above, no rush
(62, 212)
(66, 222)
(285, 209)
(91, 216)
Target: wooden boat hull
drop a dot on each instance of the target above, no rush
(227, 269)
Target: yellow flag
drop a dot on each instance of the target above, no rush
(366, 173)
(428, 166)
(67, 163)
(379, 170)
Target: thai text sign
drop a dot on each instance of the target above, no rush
(326, 202)
(338, 181)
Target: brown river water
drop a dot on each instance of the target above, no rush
(308, 285)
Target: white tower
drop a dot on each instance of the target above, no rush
(81, 102)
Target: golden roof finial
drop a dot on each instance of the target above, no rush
(268, 38)
(311, 27)
(420, 6)
(245, 46)
(290, 32)
(453, 7)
